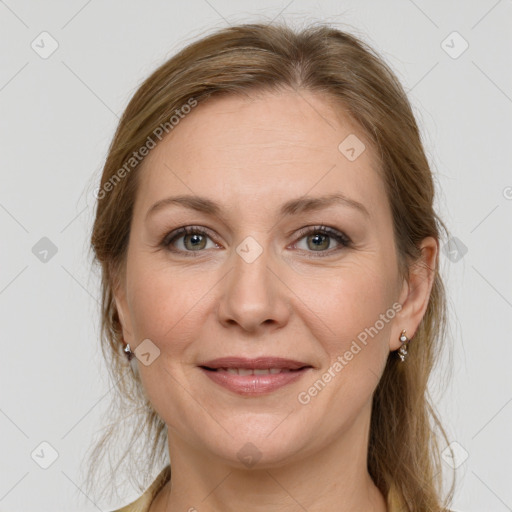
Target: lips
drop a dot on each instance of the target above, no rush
(253, 371)
(260, 363)
(254, 377)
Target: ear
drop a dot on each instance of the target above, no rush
(415, 292)
(119, 293)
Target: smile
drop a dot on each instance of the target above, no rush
(254, 382)
(253, 371)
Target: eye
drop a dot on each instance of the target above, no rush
(194, 240)
(318, 239)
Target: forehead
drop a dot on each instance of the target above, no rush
(263, 150)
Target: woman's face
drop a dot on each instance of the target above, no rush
(260, 285)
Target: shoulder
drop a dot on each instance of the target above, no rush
(143, 503)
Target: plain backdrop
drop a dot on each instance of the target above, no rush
(58, 114)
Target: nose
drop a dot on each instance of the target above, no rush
(253, 295)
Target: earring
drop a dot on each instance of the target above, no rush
(127, 350)
(131, 358)
(402, 352)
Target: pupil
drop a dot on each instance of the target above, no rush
(196, 240)
(317, 240)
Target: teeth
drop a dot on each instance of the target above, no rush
(249, 371)
(261, 371)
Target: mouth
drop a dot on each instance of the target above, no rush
(259, 363)
(254, 377)
(254, 371)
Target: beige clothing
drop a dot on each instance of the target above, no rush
(143, 503)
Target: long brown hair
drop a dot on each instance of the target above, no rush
(405, 434)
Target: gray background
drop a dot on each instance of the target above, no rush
(58, 115)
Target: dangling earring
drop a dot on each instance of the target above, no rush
(131, 358)
(402, 352)
(128, 352)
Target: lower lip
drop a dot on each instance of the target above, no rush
(254, 384)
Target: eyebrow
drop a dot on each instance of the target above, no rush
(292, 207)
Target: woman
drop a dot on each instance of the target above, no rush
(269, 254)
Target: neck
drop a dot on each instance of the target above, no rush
(333, 478)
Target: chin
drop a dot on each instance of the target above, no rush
(255, 449)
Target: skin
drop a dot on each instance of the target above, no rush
(251, 155)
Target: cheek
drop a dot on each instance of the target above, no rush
(165, 301)
(355, 344)
(356, 309)
(359, 315)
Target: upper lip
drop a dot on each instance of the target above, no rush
(259, 363)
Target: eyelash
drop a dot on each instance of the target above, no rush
(340, 237)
